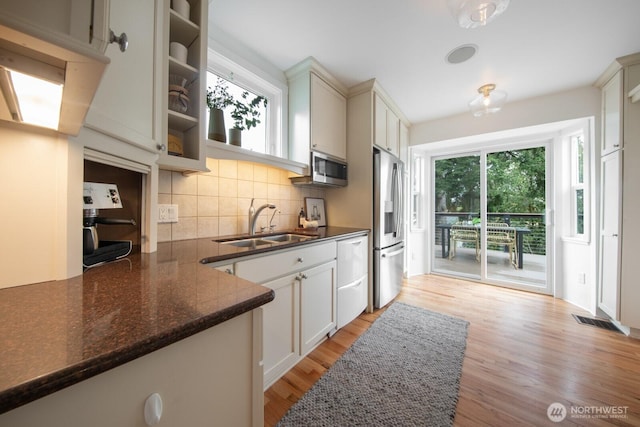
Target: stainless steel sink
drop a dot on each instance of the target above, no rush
(247, 243)
(257, 242)
(288, 237)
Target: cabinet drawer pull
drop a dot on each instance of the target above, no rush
(228, 271)
(300, 259)
(356, 243)
(616, 145)
(355, 284)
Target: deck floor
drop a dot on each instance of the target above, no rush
(534, 271)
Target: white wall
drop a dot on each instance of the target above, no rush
(556, 107)
(517, 120)
(41, 176)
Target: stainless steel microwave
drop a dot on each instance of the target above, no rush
(324, 170)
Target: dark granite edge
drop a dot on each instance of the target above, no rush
(42, 386)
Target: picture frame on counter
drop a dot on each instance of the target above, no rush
(315, 211)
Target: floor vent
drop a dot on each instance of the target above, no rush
(598, 323)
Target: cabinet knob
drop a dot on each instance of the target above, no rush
(300, 259)
(228, 271)
(302, 276)
(122, 40)
(616, 145)
(161, 147)
(153, 409)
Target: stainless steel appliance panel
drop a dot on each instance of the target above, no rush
(387, 200)
(325, 170)
(388, 238)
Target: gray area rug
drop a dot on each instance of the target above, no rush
(403, 371)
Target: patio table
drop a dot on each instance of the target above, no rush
(445, 232)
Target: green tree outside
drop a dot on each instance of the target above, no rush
(515, 182)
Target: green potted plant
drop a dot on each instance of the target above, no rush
(217, 100)
(245, 115)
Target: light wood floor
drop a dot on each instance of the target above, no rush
(524, 352)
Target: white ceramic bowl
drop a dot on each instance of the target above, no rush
(178, 51)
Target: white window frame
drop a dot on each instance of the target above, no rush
(575, 186)
(417, 191)
(275, 143)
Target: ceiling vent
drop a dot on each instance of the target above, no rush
(461, 53)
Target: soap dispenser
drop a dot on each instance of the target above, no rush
(301, 217)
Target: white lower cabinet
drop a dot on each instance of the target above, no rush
(303, 311)
(610, 180)
(353, 280)
(352, 300)
(317, 305)
(281, 328)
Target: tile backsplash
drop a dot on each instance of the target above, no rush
(216, 203)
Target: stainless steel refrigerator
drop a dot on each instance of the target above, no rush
(388, 226)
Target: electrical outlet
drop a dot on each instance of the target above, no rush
(167, 213)
(173, 213)
(582, 278)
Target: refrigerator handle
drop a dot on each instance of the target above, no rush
(397, 200)
(392, 254)
(400, 226)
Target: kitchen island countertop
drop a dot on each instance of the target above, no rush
(56, 334)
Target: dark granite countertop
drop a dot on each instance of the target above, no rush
(56, 334)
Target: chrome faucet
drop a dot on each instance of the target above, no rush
(253, 215)
(273, 226)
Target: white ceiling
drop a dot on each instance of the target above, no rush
(534, 48)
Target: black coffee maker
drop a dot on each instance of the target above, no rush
(98, 196)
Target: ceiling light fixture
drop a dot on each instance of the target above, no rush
(488, 101)
(476, 13)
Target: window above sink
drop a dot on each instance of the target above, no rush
(242, 74)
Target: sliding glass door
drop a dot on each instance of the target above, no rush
(489, 217)
(457, 190)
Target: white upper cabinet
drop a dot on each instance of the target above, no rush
(317, 112)
(612, 114)
(387, 127)
(125, 104)
(328, 119)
